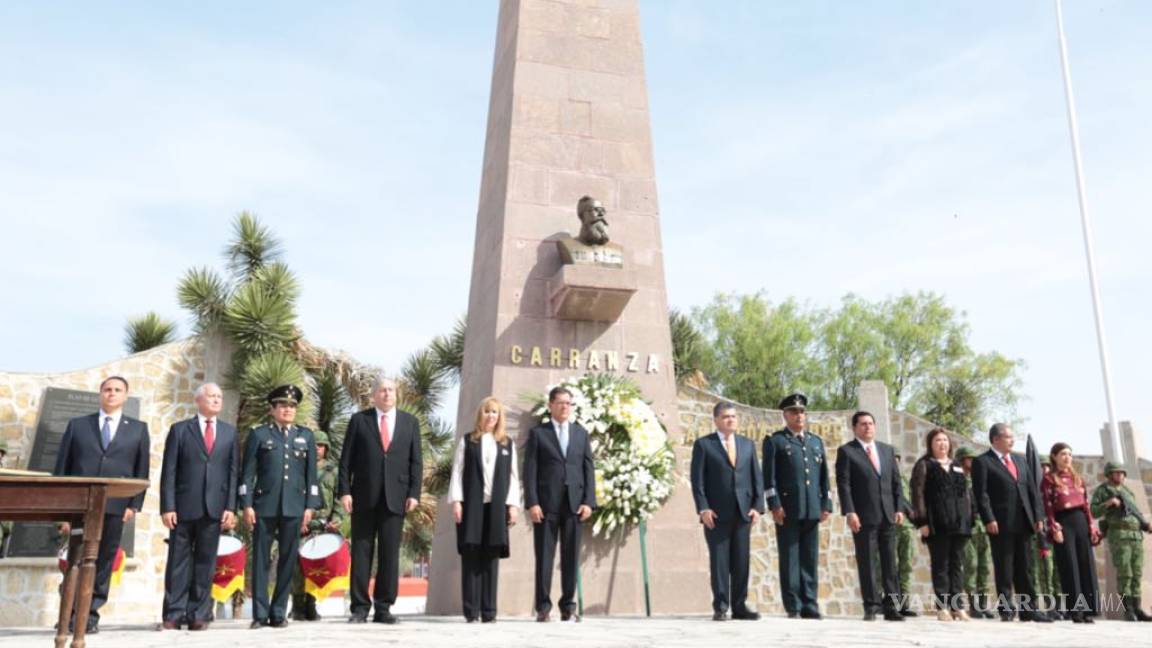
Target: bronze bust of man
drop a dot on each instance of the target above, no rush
(593, 223)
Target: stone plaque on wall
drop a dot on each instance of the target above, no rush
(56, 408)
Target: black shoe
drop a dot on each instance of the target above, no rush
(811, 614)
(486, 619)
(470, 619)
(570, 615)
(719, 615)
(93, 626)
(384, 617)
(278, 623)
(1004, 616)
(543, 616)
(793, 614)
(358, 618)
(1037, 617)
(893, 615)
(869, 616)
(297, 612)
(257, 624)
(909, 613)
(746, 615)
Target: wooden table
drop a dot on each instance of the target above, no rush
(80, 501)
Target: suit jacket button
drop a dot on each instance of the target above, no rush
(807, 483)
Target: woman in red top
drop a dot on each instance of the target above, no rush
(1073, 534)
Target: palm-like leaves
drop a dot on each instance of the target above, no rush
(203, 292)
(148, 331)
(449, 350)
(259, 321)
(423, 381)
(252, 247)
(687, 344)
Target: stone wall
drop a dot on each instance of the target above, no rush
(839, 586)
(164, 379)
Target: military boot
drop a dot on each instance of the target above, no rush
(980, 609)
(298, 608)
(1129, 609)
(310, 613)
(1141, 615)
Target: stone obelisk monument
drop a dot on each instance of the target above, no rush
(568, 118)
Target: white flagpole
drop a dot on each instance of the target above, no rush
(1102, 344)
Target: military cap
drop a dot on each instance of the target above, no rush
(794, 401)
(321, 437)
(964, 452)
(1112, 467)
(286, 394)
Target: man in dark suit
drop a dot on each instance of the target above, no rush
(106, 444)
(1011, 508)
(872, 498)
(559, 493)
(729, 494)
(796, 485)
(197, 497)
(381, 473)
(279, 493)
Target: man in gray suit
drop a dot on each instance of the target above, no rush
(106, 444)
(729, 493)
(197, 498)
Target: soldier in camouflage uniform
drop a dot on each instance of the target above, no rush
(5, 526)
(328, 519)
(906, 536)
(1045, 578)
(977, 556)
(1114, 507)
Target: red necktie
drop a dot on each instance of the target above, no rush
(873, 458)
(1011, 467)
(209, 435)
(385, 438)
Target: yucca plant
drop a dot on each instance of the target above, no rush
(148, 331)
(687, 345)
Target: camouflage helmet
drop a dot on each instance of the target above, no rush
(964, 452)
(321, 437)
(1112, 467)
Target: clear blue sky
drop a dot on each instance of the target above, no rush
(829, 147)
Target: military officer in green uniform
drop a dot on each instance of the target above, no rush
(327, 519)
(1114, 507)
(977, 556)
(279, 494)
(797, 487)
(5, 525)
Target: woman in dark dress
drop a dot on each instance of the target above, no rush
(485, 497)
(942, 510)
(1073, 534)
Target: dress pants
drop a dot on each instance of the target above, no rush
(375, 531)
(1012, 564)
(105, 556)
(946, 553)
(871, 541)
(728, 544)
(479, 573)
(1076, 563)
(564, 527)
(286, 532)
(798, 545)
(192, 548)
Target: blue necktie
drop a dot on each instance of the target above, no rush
(106, 432)
(564, 439)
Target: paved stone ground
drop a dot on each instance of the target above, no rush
(693, 631)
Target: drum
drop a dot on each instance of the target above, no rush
(325, 561)
(231, 557)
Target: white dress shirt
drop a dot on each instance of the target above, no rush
(113, 425)
(391, 415)
(870, 447)
(488, 453)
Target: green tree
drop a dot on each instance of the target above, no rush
(966, 397)
(759, 352)
(148, 331)
(687, 345)
(922, 335)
